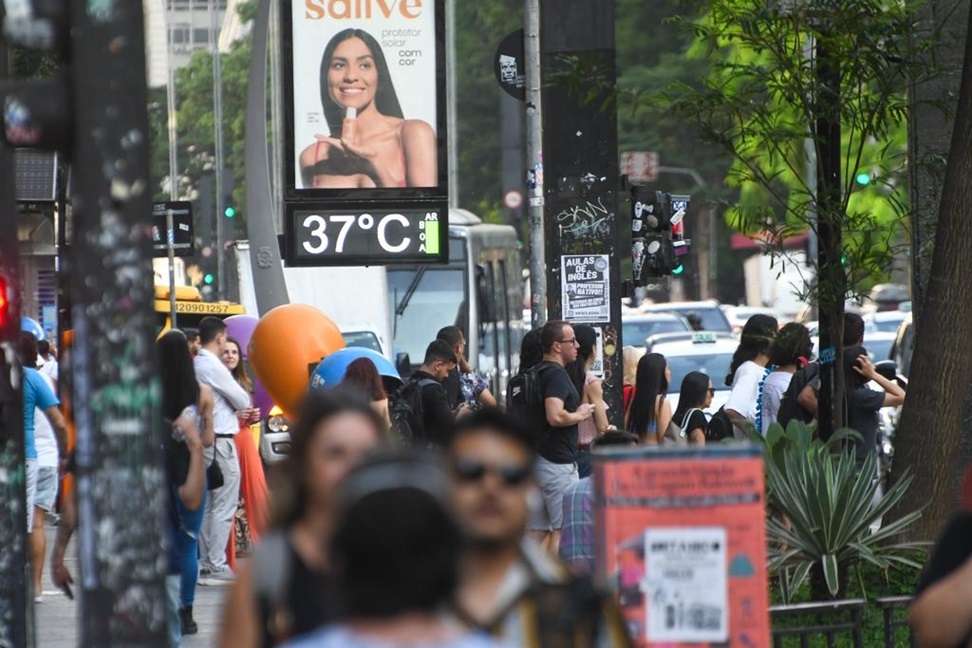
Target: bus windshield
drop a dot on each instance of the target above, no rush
(421, 302)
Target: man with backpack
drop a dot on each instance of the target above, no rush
(420, 410)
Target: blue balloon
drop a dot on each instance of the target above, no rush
(330, 372)
(32, 326)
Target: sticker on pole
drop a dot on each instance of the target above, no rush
(509, 65)
(685, 583)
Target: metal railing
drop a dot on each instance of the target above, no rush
(844, 620)
(895, 610)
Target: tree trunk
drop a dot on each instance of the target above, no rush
(931, 423)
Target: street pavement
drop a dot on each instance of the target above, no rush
(57, 617)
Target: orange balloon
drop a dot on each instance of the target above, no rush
(286, 346)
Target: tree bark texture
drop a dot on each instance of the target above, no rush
(931, 428)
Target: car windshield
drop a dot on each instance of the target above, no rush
(716, 366)
(712, 318)
(362, 339)
(634, 332)
(879, 349)
(887, 325)
(420, 308)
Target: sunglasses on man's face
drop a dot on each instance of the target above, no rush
(469, 471)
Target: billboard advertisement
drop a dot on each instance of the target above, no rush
(681, 538)
(365, 96)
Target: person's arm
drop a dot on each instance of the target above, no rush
(241, 627)
(419, 147)
(59, 426)
(487, 399)
(206, 402)
(663, 418)
(594, 394)
(191, 491)
(942, 615)
(440, 415)
(894, 395)
(807, 399)
(221, 380)
(558, 416)
(696, 432)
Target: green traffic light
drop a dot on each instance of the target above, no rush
(863, 179)
(230, 212)
(679, 270)
(209, 278)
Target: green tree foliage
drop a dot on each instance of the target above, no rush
(760, 101)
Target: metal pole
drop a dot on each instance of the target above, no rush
(218, 119)
(535, 189)
(170, 237)
(170, 96)
(452, 134)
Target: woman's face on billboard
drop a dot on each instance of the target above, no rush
(352, 78)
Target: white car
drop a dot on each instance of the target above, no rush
(739, 315)
(709, 353)
(638, 327)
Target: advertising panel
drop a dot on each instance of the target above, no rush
(681, 538)
(364, 84)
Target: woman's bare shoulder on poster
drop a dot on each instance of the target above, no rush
(417, 131)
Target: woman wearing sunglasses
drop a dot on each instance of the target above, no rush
(695, 395)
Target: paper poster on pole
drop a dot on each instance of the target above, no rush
(366, 94)
(586, 288)
(681, 538)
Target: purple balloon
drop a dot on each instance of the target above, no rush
(261, 398)
(240, 328)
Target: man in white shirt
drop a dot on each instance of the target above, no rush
(48, 480)
(47, 362)
(229, 398)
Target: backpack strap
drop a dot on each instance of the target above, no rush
(685, 419)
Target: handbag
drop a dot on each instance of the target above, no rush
(674, 435)
(214, 476)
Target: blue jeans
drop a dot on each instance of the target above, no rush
(187, 541)
(584, 466)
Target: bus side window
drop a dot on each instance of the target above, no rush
(484, 293)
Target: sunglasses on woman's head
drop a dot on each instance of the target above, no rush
(470, 471)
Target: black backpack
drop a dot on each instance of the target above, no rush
(407, 412)
(524, 398)
(790, 408)
(719, 427)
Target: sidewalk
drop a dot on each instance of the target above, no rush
(57, 617)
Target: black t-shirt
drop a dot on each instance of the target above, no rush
(451, 384)
(863, 405)
(695, 421)
(559, 444)
(951, 551)
(437, 416)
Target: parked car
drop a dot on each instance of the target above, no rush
(702, 315)
(709, 352)
(904, 345)
(636, 328)
(886, 321)
(739, 315)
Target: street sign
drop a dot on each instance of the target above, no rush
(513, 199)
(640, 166)
(182, 235)
(509, 66)
(366, 236)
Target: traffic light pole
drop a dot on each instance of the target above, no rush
(121, 485)
(535, 186)
(13, 524)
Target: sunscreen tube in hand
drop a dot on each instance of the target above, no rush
(347, 128)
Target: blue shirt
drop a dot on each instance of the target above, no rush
(36, 394)
(577, 534)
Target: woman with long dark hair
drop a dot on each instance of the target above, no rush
(183, 396)
(591, 391)
(791, 351)
(363, 375)
(253, 481)
(748, 369)
(284, 590)
(650, 413)
(370, 143)
(695, 395)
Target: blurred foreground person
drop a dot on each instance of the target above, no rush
(396, 553)
(510, 587)
(285, 590)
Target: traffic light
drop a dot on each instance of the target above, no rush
(39, 113)
(657, 230)
(209, 278)
(863, 178)
(6, 316)
(230, 210)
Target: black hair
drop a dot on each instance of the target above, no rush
(451, 335)
(531, 352)
(577, 370)
(178, 377)
(853, 380)
(43, 347)
(210, 328)
(290, 481)
(792, 343)
(695, 386)
(191, 333)
(493, 420)
(615, 438)
(853, 329)
(757, 338)
(650, 383)
(386, 101)
(550, 333)
(439, 351)
(27, 349)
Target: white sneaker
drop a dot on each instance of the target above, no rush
(222, 576)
